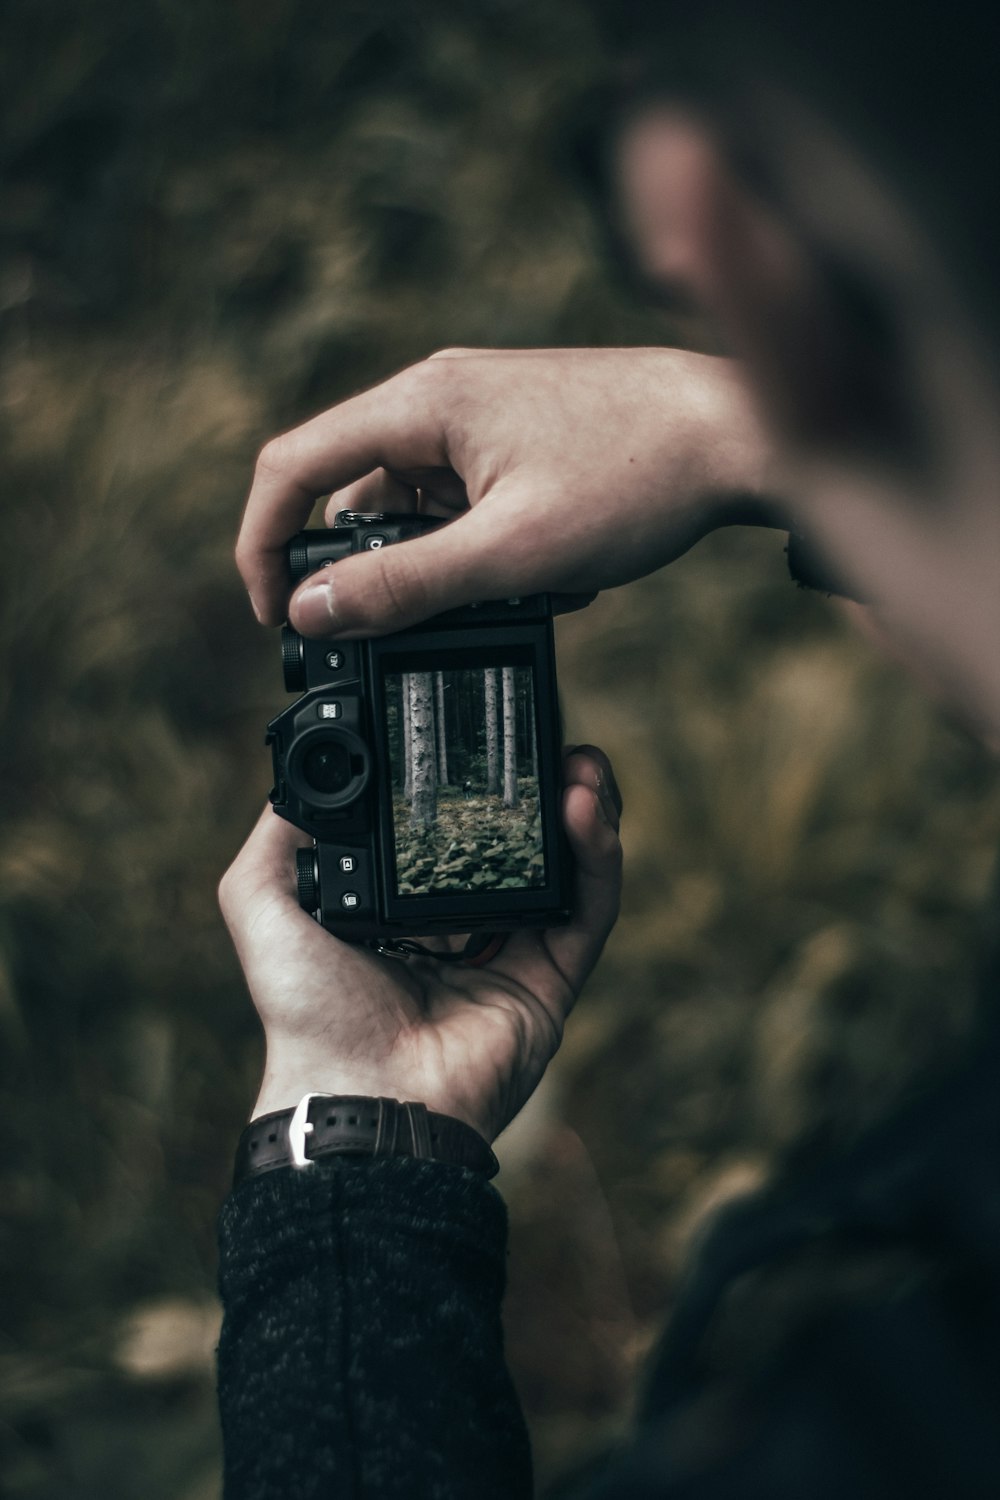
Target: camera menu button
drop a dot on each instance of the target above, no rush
(330, 710)
(349, 900)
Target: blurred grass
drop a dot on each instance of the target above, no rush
(217, 220)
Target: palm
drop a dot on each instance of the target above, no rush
(468, 1042)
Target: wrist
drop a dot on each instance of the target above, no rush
(291, 1075)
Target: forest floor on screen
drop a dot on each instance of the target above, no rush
(475, 844)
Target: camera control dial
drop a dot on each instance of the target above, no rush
(307, 879)
(293, 660)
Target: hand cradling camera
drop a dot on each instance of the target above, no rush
(426, 765)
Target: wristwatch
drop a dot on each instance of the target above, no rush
(348, 1124)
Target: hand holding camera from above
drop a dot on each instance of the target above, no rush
(564, 470)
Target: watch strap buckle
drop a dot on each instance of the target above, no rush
(299, 1127)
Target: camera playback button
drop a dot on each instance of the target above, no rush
(347, 863)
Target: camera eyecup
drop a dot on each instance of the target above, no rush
(293, 660)
(307, 878)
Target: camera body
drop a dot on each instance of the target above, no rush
(426, 765)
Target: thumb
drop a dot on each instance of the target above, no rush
(376, 593)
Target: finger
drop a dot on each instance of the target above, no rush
(591, 767)
(397, 425)
(374, 593)
(440, 490)
(375, 492)
(556, 969)
(597, 852)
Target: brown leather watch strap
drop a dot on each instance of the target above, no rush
(338, 1124)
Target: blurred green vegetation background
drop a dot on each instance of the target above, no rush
(218, 219)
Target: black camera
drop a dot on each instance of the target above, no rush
(426, 765)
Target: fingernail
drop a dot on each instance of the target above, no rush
(253, 606)
(314, 611)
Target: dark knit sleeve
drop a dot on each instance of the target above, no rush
(361, 1352)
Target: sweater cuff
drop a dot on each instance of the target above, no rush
(288, 1210)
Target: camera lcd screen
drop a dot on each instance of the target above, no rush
(463, 755)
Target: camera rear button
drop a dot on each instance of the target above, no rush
(347, 863)
(349, 900)
(373, 543)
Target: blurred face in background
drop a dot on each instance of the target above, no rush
(870, 373)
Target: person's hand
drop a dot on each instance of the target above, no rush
(569, 470)
(467, 1042)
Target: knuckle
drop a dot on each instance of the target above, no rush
(434, 372)
(437, 389)
(275, 458)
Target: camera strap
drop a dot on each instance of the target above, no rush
(479, 949)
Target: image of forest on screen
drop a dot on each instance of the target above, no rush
(463, 750)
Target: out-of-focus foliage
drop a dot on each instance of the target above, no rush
(218, 219)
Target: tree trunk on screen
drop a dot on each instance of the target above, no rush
(442, 732)
(510, 796)
(407, 737)
(423, 805)
(532, 732)
(492, 733)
